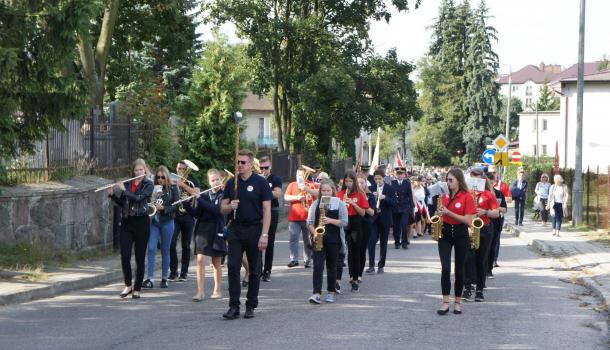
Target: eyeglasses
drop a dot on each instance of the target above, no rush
(265, 167)
(160, 177)
(242, 162)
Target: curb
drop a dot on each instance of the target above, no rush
(58, 288)
(545, 249)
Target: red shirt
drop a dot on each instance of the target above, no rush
(462, 204)
(503, 187)
(358, 197)
(487, 201)
(297, 211)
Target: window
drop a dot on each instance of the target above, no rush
(528, 90)
(533, 124)
(544, 125)
(515, 88)
(534, 148)
(544, 150)
(528, 102)
(261, 127)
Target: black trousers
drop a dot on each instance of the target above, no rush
(135, 231)
(519, 210)
(366, 236)
(268, 263)
(401, 228)
(544, 213)
(476, 260)
(328, 254)
(453, 236)
(340, 262)
(495, 243)
(380, 232)
(355, 239)
(244, 238)
(184, 224)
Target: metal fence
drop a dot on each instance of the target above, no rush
(85, 147)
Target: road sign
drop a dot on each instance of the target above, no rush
(515, 156)
(501, 158)
(501, 143)
(488, 156)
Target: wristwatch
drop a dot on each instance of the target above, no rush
(265, 235)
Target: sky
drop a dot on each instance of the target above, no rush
(529, 31)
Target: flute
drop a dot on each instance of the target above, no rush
(112, 184)
(193, 196)
(378, 199)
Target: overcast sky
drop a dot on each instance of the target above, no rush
(529, 31)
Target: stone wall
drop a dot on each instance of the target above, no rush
(66, 215)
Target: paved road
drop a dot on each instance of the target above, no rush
(527, 307)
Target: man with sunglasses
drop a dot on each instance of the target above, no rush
(275, 183)
(249, 210)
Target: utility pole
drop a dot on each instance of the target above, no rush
(537, 136)
(577, 190)
(510, 74)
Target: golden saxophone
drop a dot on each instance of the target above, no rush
(345, 197)
(476, 225)
(320, 231)
(437, 221)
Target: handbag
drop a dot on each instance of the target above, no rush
(219, 244)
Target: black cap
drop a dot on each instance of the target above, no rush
(365, 166)
(400, 169)
(316, 167)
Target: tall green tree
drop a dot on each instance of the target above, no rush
(547, 101)
(39, 85)
(217, 90)
(482, 94)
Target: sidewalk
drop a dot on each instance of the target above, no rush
(574, 250)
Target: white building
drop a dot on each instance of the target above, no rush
(258, 112)
(560, 126)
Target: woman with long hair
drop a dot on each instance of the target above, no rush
(133, 196)
(356, 203)
(558, 203)
(457, 211)
(542, 192)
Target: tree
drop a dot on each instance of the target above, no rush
(546, 100)
(216, 92)
(603, 64)
(516, 107)
(39, 86)
(482, 93)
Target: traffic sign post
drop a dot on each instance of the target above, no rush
(515, 158)
(501, 158)
(488, 156)
(501, 142)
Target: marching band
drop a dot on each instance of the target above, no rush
(236, 219)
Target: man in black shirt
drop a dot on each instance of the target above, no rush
(250, 213)
(275, 183)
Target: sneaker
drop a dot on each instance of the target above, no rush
(315, 299)
(147, 284)
(479, 296)
(490, 275)
(173, 276)
(355, 286)
(266, 276)
(163, 284)
(496, 264)
(293, 263)
(370, 270)
(330, 298)
(337, 288)
(182, 277)
(379, 270)
(467, 295)
(307, 264)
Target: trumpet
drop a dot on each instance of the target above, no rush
(476, 225)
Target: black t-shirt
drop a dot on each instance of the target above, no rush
(274, 181)
(251, 194)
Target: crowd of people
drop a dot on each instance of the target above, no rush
(332, 225)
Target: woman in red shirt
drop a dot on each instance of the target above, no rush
(457, 212)
(357, 203)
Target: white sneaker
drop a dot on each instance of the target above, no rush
(330, 298)
(315, 299)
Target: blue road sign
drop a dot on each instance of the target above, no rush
(488, 156)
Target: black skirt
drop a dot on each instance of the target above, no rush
(204, 239)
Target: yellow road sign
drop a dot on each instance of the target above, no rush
(501, 158)
(501, 143)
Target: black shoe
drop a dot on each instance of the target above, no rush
(135, 295)
(396, 246)
(126, 293)
(232, 314)
(307, 264)
(405, 246)
(249, 312)
(455, 311)
(479, 296)
(244, 283)
(182, 277)
(370, 270)
(173, 276)
(379, 270)
(443, 311)
(164, 284)
(293, 264)
(337, 288)
(147, 284)
(355, 286)
(467, 295)
(266, 276)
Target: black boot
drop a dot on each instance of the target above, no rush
(232, 314)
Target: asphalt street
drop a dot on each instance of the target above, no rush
(527, 306)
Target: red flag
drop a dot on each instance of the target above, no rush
(399, 162)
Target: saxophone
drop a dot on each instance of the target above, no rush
(476, 225)
(437, 221)
(320, 231)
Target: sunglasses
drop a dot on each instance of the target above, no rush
(265, 167)
(160, 177)
(242, 162)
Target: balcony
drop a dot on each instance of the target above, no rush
(265, 141)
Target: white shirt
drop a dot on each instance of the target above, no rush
(559, 193)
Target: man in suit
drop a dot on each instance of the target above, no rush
(380, 230)
(403, 209)
(519, 192)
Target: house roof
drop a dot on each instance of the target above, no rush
(255, 103)
(600, 76)
(533, 73)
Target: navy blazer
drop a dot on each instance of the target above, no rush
(387, 204)
(404, 197)
(516, 192)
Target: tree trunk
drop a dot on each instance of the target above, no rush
(276, 110)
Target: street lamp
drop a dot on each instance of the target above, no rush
(510, 74)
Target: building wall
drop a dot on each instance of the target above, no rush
(550, 131)
(527, 93)
(253, 128)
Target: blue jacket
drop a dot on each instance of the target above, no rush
(518, 193)
(404, 197)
